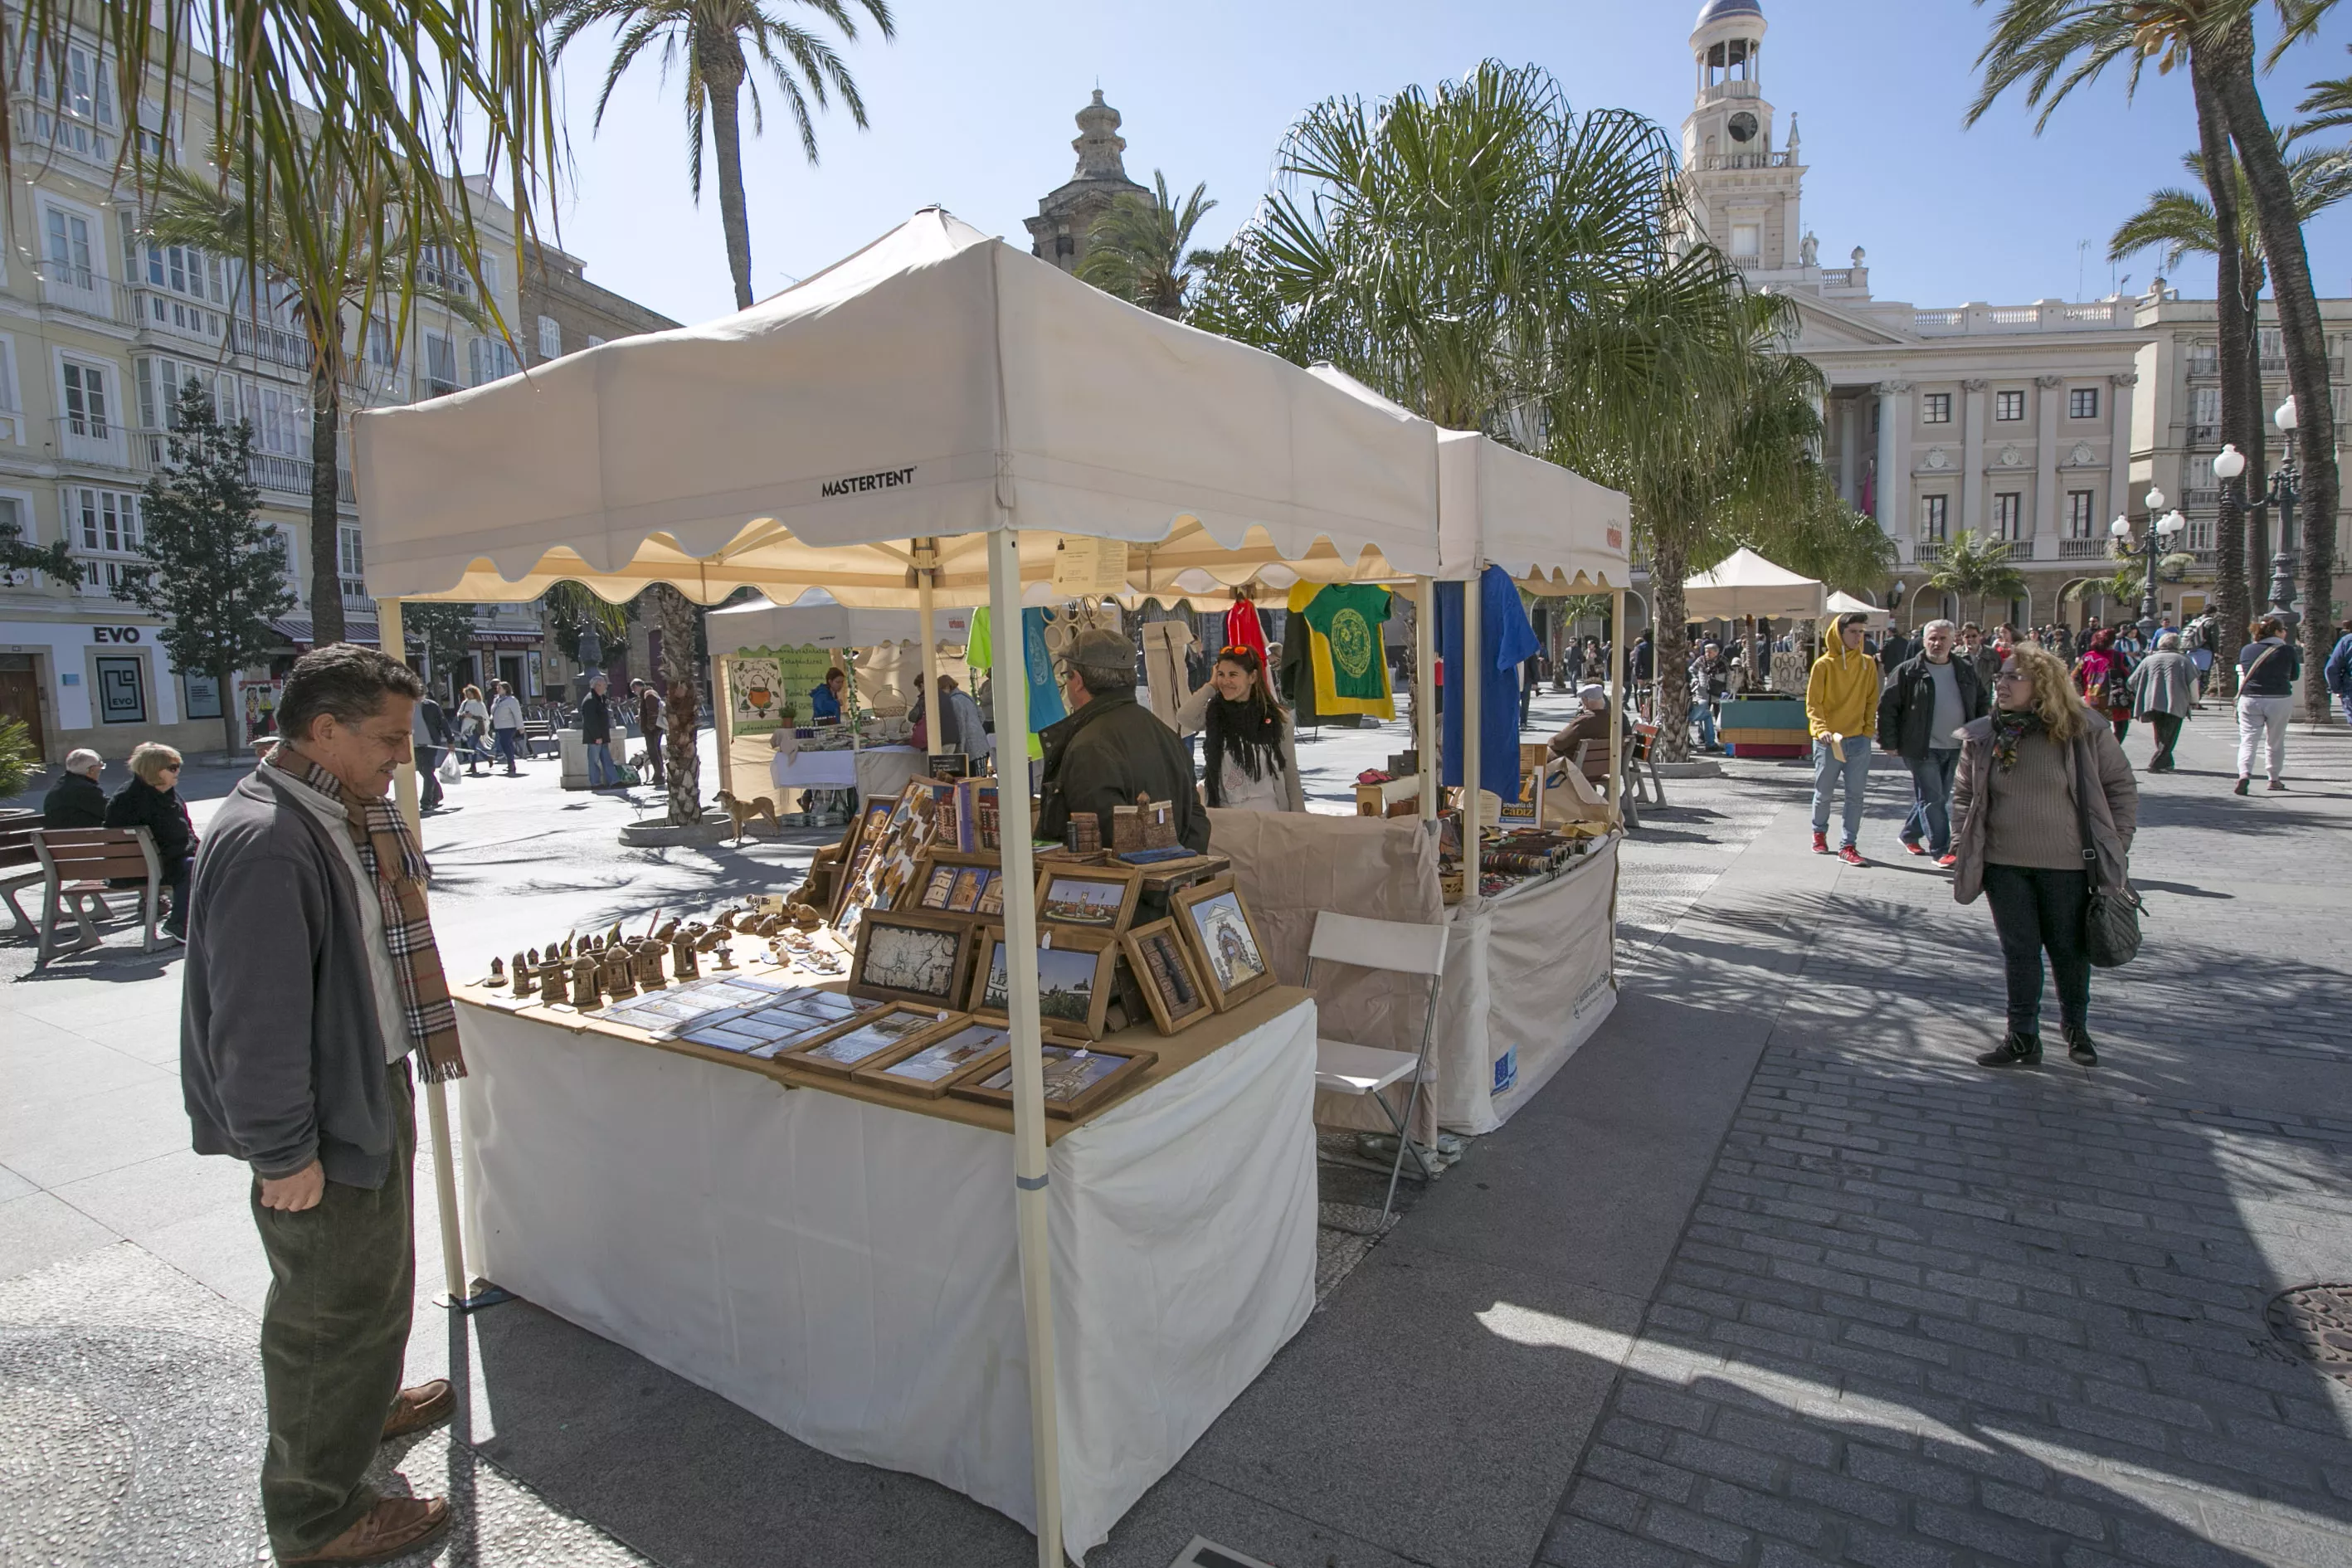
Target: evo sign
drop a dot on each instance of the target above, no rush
(114, 633)
(858, 484)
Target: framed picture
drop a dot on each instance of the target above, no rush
(879, 1036)
(1216, 925)
(858, 849)
(1168, 975)
(963, 899)
(1078, 1077)
(1073, 981)
(1091, 898)
(992, 896)
(938, 885)
(943, 1058)
(911, 955)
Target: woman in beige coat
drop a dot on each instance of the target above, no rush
(2019, 840)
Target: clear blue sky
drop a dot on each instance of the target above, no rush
(971, 108)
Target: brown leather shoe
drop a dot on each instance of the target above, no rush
(420, 1409)
(394, 1527)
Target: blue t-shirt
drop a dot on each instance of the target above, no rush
(1506, 637)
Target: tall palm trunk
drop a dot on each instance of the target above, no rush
(2242, 404)
(2305, 338)
(676, 615)
(326, 517)
(722, 79)
(1670, 643)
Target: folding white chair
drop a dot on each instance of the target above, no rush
(1345, 1068)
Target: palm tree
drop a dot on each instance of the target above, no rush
(2051, 46)
(354, 253)
(1974, 567)
(1140, 248)
(385, 90)
(716, 41)
(2184, 223)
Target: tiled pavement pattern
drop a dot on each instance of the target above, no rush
(1925, 1316)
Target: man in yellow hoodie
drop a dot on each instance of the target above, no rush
(1842, 711)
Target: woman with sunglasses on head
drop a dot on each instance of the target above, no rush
(2020, 839)
(1250, 761)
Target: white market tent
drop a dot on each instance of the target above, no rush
(1843, 604)
(1748, 584)
(816, 619)
(926, 417)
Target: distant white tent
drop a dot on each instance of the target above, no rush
(1748, 584)
(1847, 605)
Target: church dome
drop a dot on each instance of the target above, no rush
(1723, 10)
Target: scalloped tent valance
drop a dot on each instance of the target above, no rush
(936, 385)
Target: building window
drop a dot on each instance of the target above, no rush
(1936, 408)
(595, 342)
(2009, 515)
(2083, 403)
(86, 407)
(551, 338)
(69, 256)
(2082, 514)
(440, 365)
(1935, 515)
(110, 519)
(1747, 241)
(86, 96)
(379, 343)
(2008, 405)
(160, 380)
(121, 690)
(349, 562)
(490, 359)
(2205, 406)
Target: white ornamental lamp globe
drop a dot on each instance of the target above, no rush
(2230, 463)
(2155, 501)
(2120, 528)
(2286, 418)
(2170, 524)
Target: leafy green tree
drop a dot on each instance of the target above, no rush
(441, 631)
(1140, 248)
(349, 258)
(53, 561)
(717, 42)
(2051, 46)
(214, 573)
(1977, 568)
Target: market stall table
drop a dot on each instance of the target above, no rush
(840, 1261)
(876, 773)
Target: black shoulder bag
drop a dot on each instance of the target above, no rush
(2111, 919)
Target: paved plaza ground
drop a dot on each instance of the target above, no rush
(1770, 1275)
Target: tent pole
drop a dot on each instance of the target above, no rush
(1031, 1202)
(723, 697)
(392, 638)
(1474, 680)
(1424, 690)
(933, 740)
(1617, 708)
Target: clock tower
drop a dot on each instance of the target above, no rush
(1741, 185)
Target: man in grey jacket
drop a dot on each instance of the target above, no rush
(311, 985)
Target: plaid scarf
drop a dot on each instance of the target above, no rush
(2011, 725)
(396, 865)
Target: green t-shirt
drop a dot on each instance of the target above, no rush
(1349, 617)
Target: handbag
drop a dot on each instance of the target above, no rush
(2111, 919)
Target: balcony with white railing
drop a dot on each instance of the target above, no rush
(2081, 549)
(269, 345)
(2020, 549)
(167, 310)
(2046, 316)
(89, 442)
(1927, 552)
(83, 290)
(276, 473)
(47, 127)
(1744, 161)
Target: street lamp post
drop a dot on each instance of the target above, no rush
(2284, 480)
(2163, 528)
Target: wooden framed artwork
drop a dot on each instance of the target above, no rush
(881, 1036)
(1079, 1077)
(911, 955)
(933, 1067)
(1168, 975)
(858, 849)
(1073, 980)
(1088, 897)
(1216, 925)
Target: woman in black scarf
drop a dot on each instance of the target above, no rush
(1251, 764)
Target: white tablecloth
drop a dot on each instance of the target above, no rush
(876, 773)
(848, 1272)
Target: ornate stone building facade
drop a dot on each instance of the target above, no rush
(2034, 424)
(1067, 215)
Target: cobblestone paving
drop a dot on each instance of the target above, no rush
(1925, 1316)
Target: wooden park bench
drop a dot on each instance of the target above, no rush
(76, 863)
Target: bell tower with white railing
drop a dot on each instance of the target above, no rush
(1741, 186)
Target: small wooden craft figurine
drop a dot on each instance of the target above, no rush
(726, 956)
(534, 956)
(646, 959)
(620, 982)
(1159, 822)
(587, 983)
(666, 930)
(681, 956)
(551, 988)
(565, 949)
(1126, 828)
(497, 980)
(521, 977)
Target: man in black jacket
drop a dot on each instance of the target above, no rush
(1112, 748)
(77, 799)
(1930, 695)
(597, 733)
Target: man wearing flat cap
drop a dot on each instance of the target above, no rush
(1112, 748)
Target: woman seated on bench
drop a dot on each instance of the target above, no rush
(152, 801)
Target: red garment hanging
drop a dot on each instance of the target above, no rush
(1242, 629)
